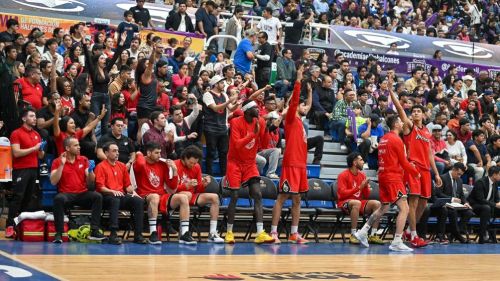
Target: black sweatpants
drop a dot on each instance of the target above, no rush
(88, 199)
(133, 204)
(24, 189)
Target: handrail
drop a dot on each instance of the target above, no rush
(218, 36)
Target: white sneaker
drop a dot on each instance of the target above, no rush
(363, 238)
(214, 238)
(273, 176)
(343, 147)
(400, 247)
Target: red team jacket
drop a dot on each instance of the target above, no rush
(392, 159)
(152, 178)
(295, 151)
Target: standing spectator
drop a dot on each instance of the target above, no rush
(82, 116)
(217, 107)
(244, 53)
(141, 15)
(113, 182)
(127, 26)
(180, 20)
(27, 148)
(52, 55)
(234, 27)
(286, 73)
(293, 33)
(72, 173)
(184, 135)
(157, 134)
(134, 47)
(276, 7)
(7, 36)
(264, 56)
(270, 25)
(485, 202)
(125, 145)
(206, 22)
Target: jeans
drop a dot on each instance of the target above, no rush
(271, 156)
(133, 204)
(86, 199)
(96, 103)
(219, 142)
(338, 126)
(282, 89)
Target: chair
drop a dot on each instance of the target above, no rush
(339, 214)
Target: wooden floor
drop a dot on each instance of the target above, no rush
(262, 267)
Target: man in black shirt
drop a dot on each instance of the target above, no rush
(125, 145)
(264, 56)
(82, 117)
(293, 33)
(8, 35)
(141, 15)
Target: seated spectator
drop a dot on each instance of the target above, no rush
(32, 90)
(339, 116)
(464, 133)
(472, 114)
(494, 150)
(113, 182)
(454, 123)
(438, 146)
(82, 116)
(370, 132)
(268, 152)
(487, 127)
(485, 202)
(156, 134)
(72, 174)
(181, 78)
(477, 155)
(157, 182)
(184, 135)
(193, 186)
(323, 102)
(353, 188)
(455, 148)
(125, 145)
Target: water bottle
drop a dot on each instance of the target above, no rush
(8, 173)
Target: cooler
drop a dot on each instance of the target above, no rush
(5, 160)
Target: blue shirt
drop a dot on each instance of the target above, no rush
(209, 21)
(241, 61)
(130, 28)
(175, 65)
(378, 131)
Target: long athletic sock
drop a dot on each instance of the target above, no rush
(397, 238)
(229, 227)
(184, 227)
(413, 234)
(274, 228)
(152, 225)
(364, 229)
(294, 229)
(260, 227)
(213, 226)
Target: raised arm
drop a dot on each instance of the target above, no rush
(90, 126)
(148, 74)
(402, 114)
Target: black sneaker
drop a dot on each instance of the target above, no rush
(153, 238)
(44, 170)
(114, 239)
(140, 240)
(96, 235)
(187, 239)
(58, 238)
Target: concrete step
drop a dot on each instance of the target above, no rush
(329, 158)
(327, 172)
(313, 133)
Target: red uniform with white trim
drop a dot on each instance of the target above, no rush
(348, 189)
(186, 175)
(418, 144)
(293, 172)
(392, 162)
(73, 179)
(243, 145)
(154, 179)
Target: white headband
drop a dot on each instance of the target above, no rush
(249, 105)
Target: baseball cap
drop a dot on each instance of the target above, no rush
(216, 79)
(161, 63)
(467, 77)
(436, 127)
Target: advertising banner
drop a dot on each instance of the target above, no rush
(28, 22)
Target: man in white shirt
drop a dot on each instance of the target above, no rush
(271, 26)
(52, 53)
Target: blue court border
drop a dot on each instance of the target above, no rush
(12, 269)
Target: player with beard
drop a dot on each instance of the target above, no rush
(242, 169)
(293, 179)
(416, 138)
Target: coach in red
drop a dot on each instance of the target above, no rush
(71, 173)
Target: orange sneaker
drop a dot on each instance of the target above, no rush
(297, 239)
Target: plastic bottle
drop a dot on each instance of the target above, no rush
(8, 172)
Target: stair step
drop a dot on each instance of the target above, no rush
(327, 158)
(313, 133)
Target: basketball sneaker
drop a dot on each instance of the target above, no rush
(58, 238)
(362, 238)
(399, 247)
(353, 240)
(229, 239)
(114, 239)
(187, 239)
(297, 239)
(153, 238)
(10, 232)
(418, 242)
(214, 238)
(96, 235)
(375, 239)
(274, 235)
(263, 237)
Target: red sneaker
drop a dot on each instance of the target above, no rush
(406, 235)
(418, 242)
(10, 232)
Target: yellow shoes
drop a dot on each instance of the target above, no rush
(229, 239)
(263, 237)
(375, 239)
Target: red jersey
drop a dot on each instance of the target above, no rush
(348, 186)
(392, 159)
(25, 138)
(62, 136)
(114, 177)
(152, 178)
(186, 175)
(418, 144)
(269, 139)
(131, 104)
(31, 93)
(68, 105)
(73, 179)
(243, 141)
(296, 138)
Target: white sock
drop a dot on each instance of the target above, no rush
(294, 229)
(184, 227)
(152, 225)
(229, 227)
(260, 227)
(353, 230)
(397, 238)
(413, 234)
(408, 229)
(213, 226)
(274, 228)
(364, 229)
(374, 231)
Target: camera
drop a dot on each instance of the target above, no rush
(190, 101)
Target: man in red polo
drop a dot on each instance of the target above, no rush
(26, 149)
(31, 89)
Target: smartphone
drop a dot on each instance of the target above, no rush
(88, 37)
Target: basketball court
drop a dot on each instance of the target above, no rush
(244, 261)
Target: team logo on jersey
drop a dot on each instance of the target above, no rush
(153, 179)
(250, 145)
(420, 137)
(285, 186)
(71, 6)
